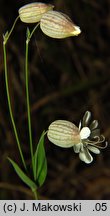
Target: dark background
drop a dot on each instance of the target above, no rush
(67, 77)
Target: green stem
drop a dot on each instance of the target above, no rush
(33, 30)
(9, 105)
(35, 194)
(27, 94)
(10, 32)
(28, 101)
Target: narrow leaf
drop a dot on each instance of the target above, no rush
(40, 162)
(22, 175)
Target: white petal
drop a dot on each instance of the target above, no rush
(85, 156)
(85, 133)
(94, 125)
(93, 149)
(77, 147)
(80, 125)
(77, 30)
(86, 118)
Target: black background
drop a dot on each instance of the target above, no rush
(67, 77)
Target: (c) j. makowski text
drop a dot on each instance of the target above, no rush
(52, 207)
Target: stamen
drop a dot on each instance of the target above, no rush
(95, 143)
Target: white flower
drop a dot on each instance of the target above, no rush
(84, 139)
(90, 139)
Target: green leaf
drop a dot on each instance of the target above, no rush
(40, 162)
(23, 176)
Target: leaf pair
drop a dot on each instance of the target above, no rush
(40, 167)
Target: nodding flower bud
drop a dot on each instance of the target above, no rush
(32, 13)
(58, 25)
(63, 133)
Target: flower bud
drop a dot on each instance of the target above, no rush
(32, 13)
(63, 133)
(58, 25)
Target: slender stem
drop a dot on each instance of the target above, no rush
(28, 101)
(9, 105)
(35, 194)
(27, 94)
(10, 32)
(33, 30)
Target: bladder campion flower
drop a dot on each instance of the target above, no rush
(83, 139)
(58, 25)
(32, 13)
